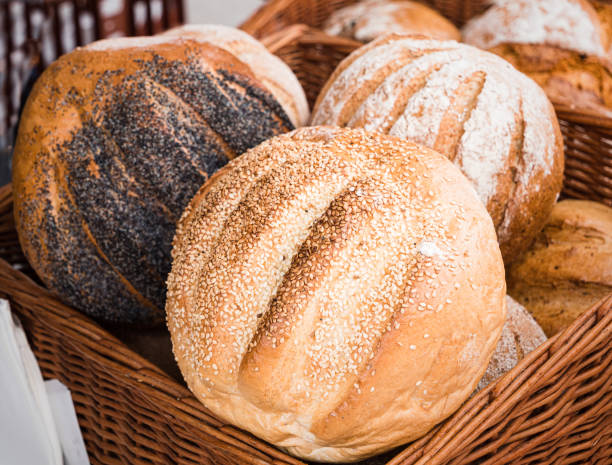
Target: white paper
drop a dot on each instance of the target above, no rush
(24, 437)
(33, 412)
(66, 423)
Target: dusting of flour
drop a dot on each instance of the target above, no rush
(411, 102)
(569, 24)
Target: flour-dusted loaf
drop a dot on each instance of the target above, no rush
(568, 268)
(492, 121)
(366, 20)
(564, 45)
(568, 77)
(579, 25)
(335, 292)
(115, 139)
(520, 335)
(269, 69)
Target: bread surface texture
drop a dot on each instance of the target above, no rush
(115, 139)
(521, 334)
(492, 121)
(568, 268)
(366, 20)
(268, 68)
(576, 25)
(335, 292)
(568, 78)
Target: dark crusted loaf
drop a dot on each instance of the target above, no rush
(115, 139)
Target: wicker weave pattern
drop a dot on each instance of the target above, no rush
(278, 14)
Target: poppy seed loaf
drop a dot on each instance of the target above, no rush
(493, 122)
(269, 69)
(115, 139)
(335, 292)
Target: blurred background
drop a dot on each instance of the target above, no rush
(230, 12)
(33, 33)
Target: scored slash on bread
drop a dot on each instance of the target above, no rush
(493, 122)
(114, 140)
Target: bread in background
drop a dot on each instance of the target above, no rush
(366, 20)
(520, 335)
(570, 24)
(568, 77)
(568, 268)
(564, 45)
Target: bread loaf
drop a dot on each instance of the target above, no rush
(366, 20)
(115, 139)
(520, 335)
(268, 69)
(335, 292)
(569, 24)
(493, 122)
(567, 77)
(568, 268)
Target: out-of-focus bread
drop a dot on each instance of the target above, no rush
(335, 292)
(570, 24)
(520, 335)
(365, 21)
(568, 268)
(567, 77)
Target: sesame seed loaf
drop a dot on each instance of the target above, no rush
(335, 292)
(493, 122)
(578, 25)
(568, 268)
(566, 76)
(115, 139)
(366, 20)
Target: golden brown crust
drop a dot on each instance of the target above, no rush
(567, 77)
(494, 123)
(370, 19)
(335, 292)
(568, 268)
(114, 140)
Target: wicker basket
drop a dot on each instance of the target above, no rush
(275, 15)
(555, 407)
(588, 137)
